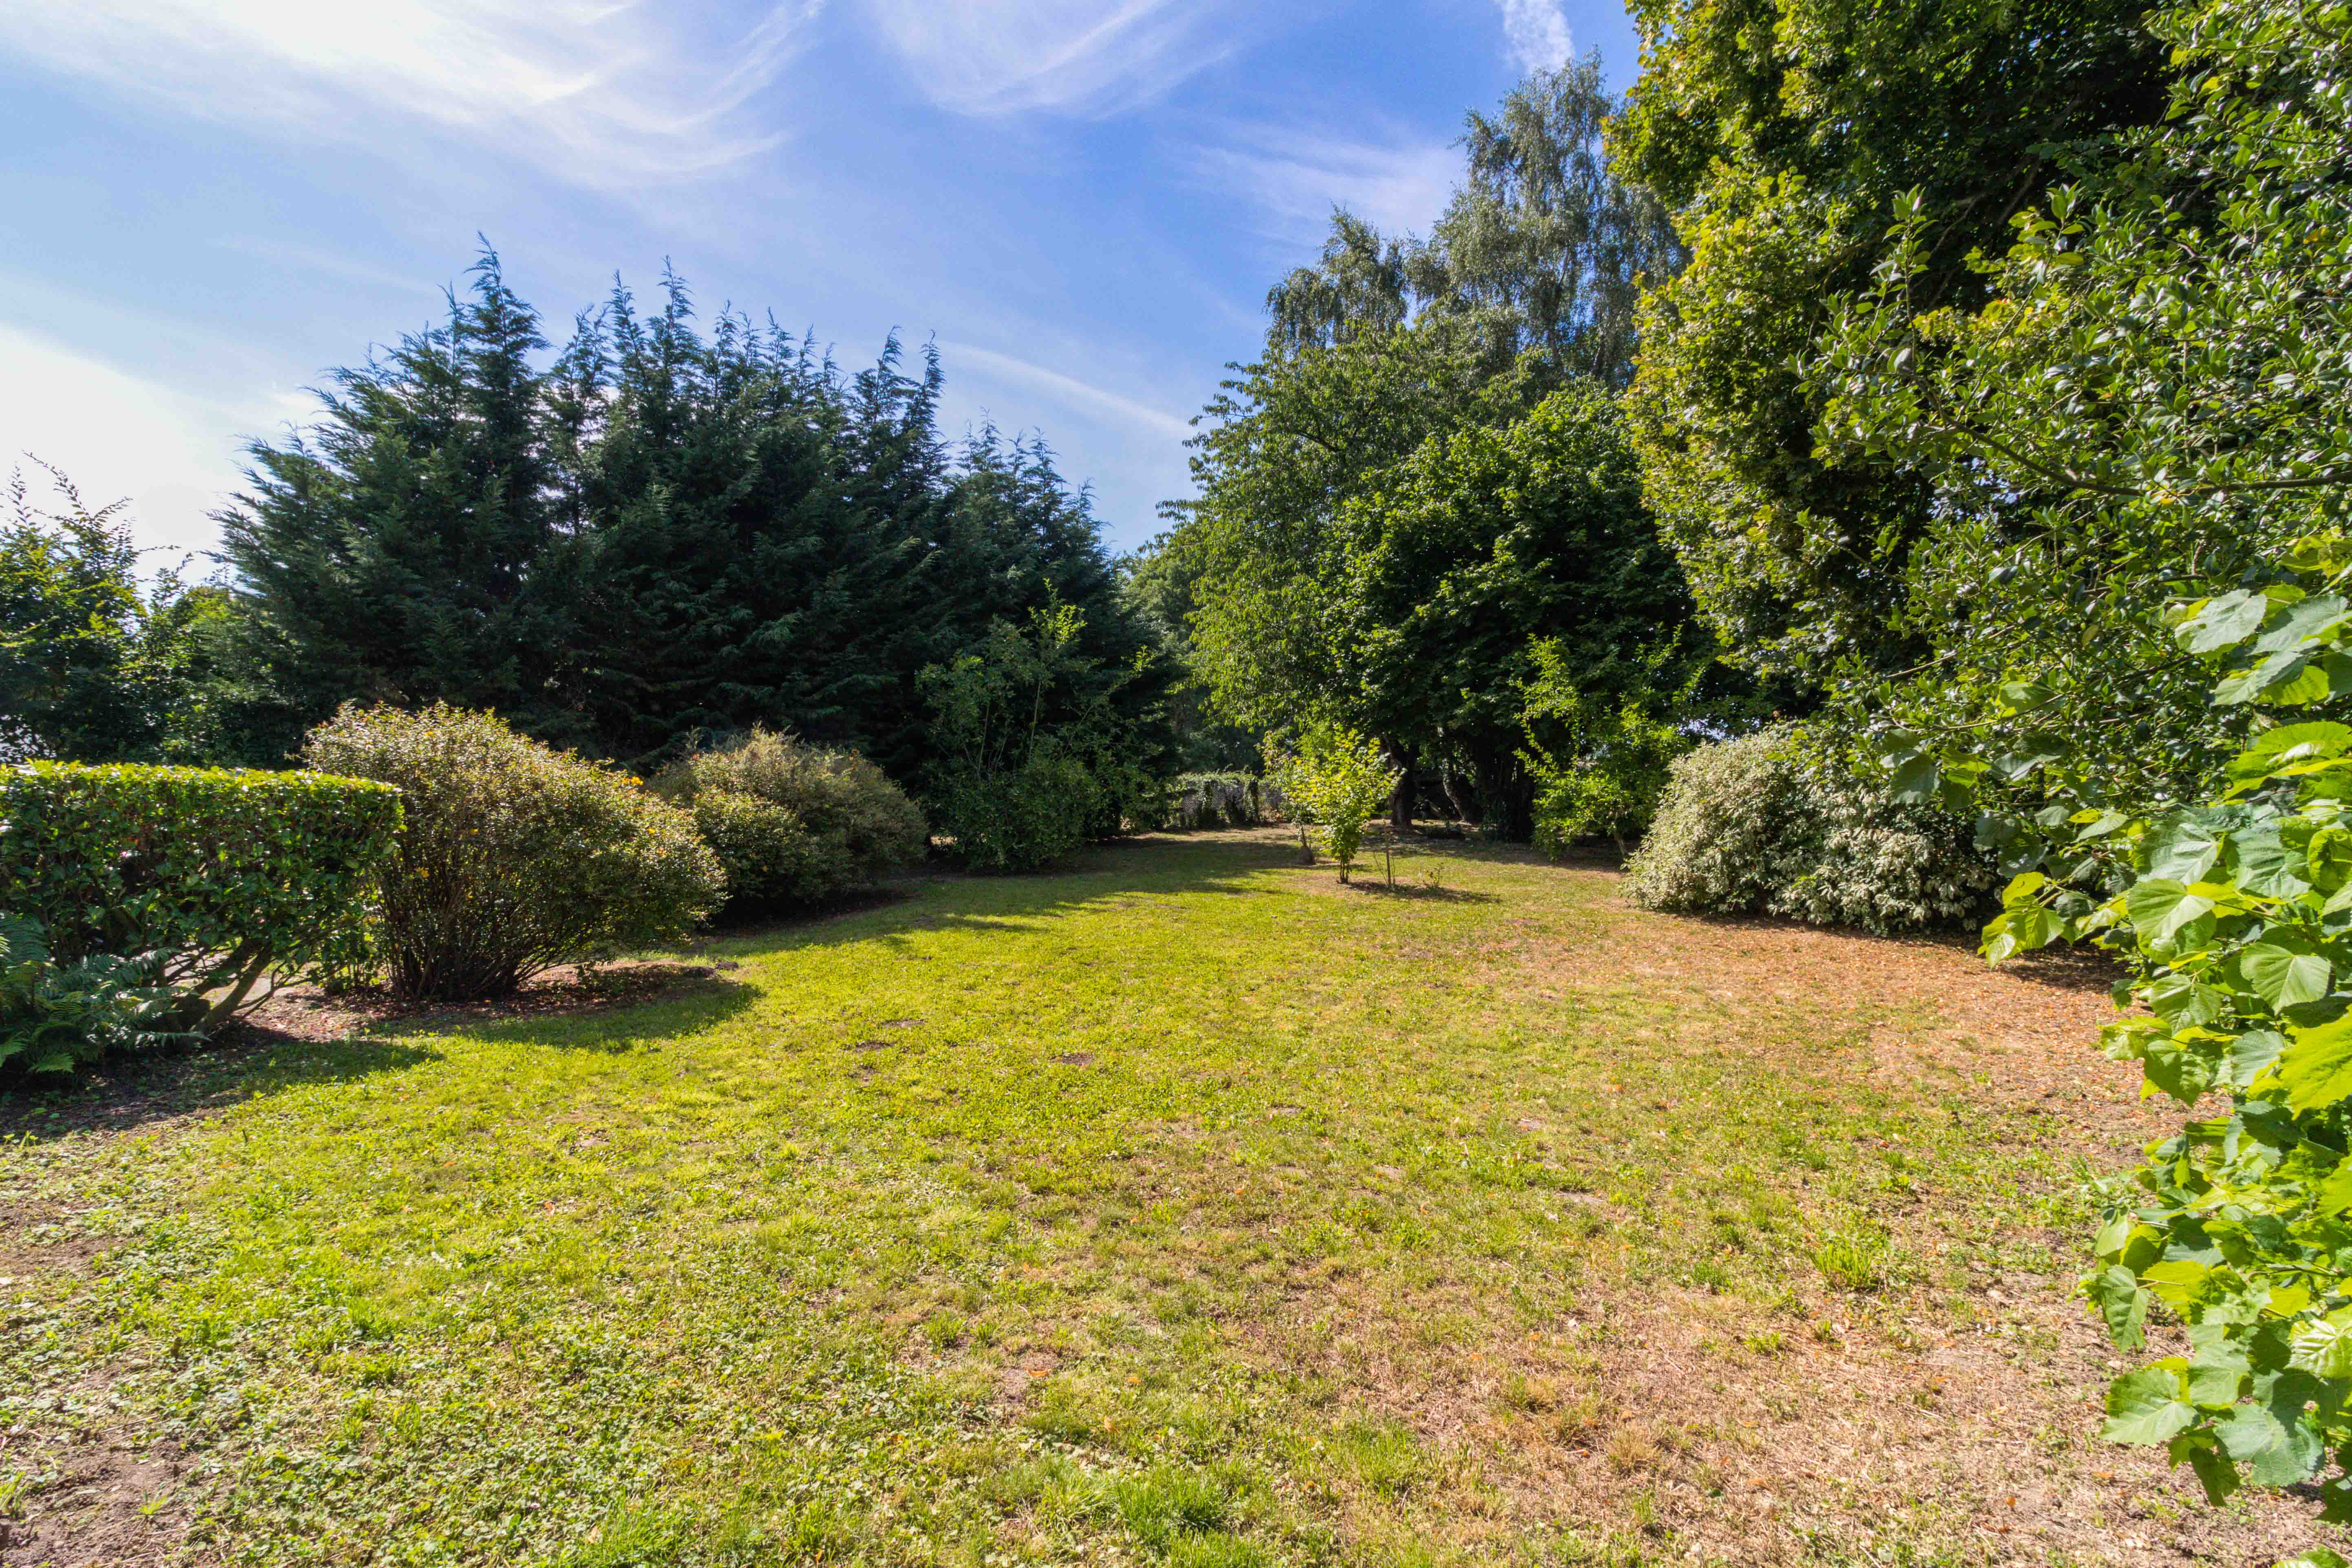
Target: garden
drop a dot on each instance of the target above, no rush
(1698, 907)
(1183, 1205)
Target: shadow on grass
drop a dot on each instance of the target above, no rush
(690, 1009)
(1100, 877)
(127, 1093)
(1419, 893)
(2078, 969)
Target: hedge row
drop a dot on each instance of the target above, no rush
(217, 876)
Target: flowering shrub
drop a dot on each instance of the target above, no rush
(793, 824)
(513, 857)
(1772, 824)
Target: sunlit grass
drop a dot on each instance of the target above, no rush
(1185, 1207)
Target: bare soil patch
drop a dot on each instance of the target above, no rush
(306, 1012)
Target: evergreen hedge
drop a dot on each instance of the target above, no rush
(220, 876)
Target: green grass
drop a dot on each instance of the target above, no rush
(1190, 1211)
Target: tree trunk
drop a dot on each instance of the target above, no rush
(1453, 786)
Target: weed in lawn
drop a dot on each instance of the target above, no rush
(1384, 1458)
(1851, 1262)
(1217, 1551)
(1167, 1502)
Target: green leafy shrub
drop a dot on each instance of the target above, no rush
(2236, 918)
(1131, 797)
(1774, 824)
(56, 1017)
(219, 876)
(1339, 781)
(514, 857)
(793, 824)
(2238, 923)
(1018, 819)
(1035, 753)
(1613, 788)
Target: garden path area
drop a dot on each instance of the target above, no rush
(1185, 1207)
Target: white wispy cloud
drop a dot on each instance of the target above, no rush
(118, 434)
(994, 57)
(600, 94)
(1295, 178)
(1079, 396)
(1537, 34)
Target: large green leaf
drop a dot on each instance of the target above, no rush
(2145, 1406)
(2287, 745)
(2283, 978)
(2251, 1052)
(2223, 622)
(2024, 928)
(1914, 781)
(2121, 1302)
(2160, 906)
(2267, 866)
(2183, 848)
(2316, 1068)
(2325, 1350)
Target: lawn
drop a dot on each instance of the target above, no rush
(1185, 1207)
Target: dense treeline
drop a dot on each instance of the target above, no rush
(1426, 476)
(653, 533)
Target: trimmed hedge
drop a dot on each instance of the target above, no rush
(219, 876)
(514, 858)
(793, 824)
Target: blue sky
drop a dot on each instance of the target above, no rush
(207, 203)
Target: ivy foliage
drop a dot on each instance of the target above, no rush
(210, 877)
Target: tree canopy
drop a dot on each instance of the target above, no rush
(655, 535)
(1780, 132)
